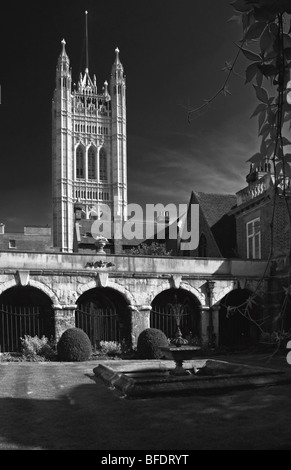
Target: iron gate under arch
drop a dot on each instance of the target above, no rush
(163, 319)
(173, 307)
(18, 321)
(100, 324)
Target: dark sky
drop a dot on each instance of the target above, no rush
(172, 52)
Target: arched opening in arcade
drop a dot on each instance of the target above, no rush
(24, 310)
(103, 314)
(239, 319)
(177, 304)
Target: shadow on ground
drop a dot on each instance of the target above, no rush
(92, 417)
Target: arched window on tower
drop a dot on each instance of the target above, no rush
(102, 165)
(80, 162)
(91, 164)
(202, 247)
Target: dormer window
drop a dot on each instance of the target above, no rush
(253, 229)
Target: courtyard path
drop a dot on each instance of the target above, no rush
(51, 406)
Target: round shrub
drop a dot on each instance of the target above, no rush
(74, 345)
(149, 343)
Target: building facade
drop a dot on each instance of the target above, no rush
(89, 150)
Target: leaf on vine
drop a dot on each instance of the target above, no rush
(265, 130)
(270, 55)
(266, 40)
(227, 66)
(259, 78)
(261, 107)
(251, 72)
(287, 117)
(241, 6)
(226, 91)
(273, 133)
(287, 53)
(247, 19)
(263, 14)
(285, 141)
(279, 167)
(287, 40)
(255, 30)
(280, 154)
(268, 70)
(287, 170)
(274, 29)
(262, 94)
(257, 157)
(236, 18)
(262, 118)
(263, 148)
(270, 149)
(271, 117)
(250, 55)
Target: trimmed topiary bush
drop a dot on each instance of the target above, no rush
(74, 345)
(149, 342)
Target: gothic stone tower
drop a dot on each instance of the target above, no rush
(88, 147)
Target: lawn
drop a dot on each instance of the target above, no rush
(54, 406)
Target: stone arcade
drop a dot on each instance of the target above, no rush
(130, 285)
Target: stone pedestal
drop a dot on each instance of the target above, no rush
(140, 320)
(64, 319)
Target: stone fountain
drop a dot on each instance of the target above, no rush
(147, 378)
(179, 348)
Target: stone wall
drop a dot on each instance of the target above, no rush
(65, 277)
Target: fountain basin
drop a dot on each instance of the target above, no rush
(148, 378)
(180, 354)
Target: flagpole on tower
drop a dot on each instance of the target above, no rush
(86, 38)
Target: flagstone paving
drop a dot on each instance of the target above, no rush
(47, 406)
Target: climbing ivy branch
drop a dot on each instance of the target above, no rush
(229, 68)
(266, 44)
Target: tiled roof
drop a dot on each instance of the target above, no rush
(215, 206)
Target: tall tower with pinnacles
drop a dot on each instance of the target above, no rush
(89, 149)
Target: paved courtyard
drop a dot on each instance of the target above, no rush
(51, 406)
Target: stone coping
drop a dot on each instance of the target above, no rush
(134, 379)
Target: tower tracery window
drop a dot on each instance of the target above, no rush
(91, 164)
(102, 165)
(80, 162)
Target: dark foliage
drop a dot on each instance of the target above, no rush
(74, 345)
(149, 342)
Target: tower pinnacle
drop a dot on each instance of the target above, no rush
(63, 42)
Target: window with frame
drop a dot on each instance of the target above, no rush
(80, 162)
(253, 234)
(91, 164)
(102, 165)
